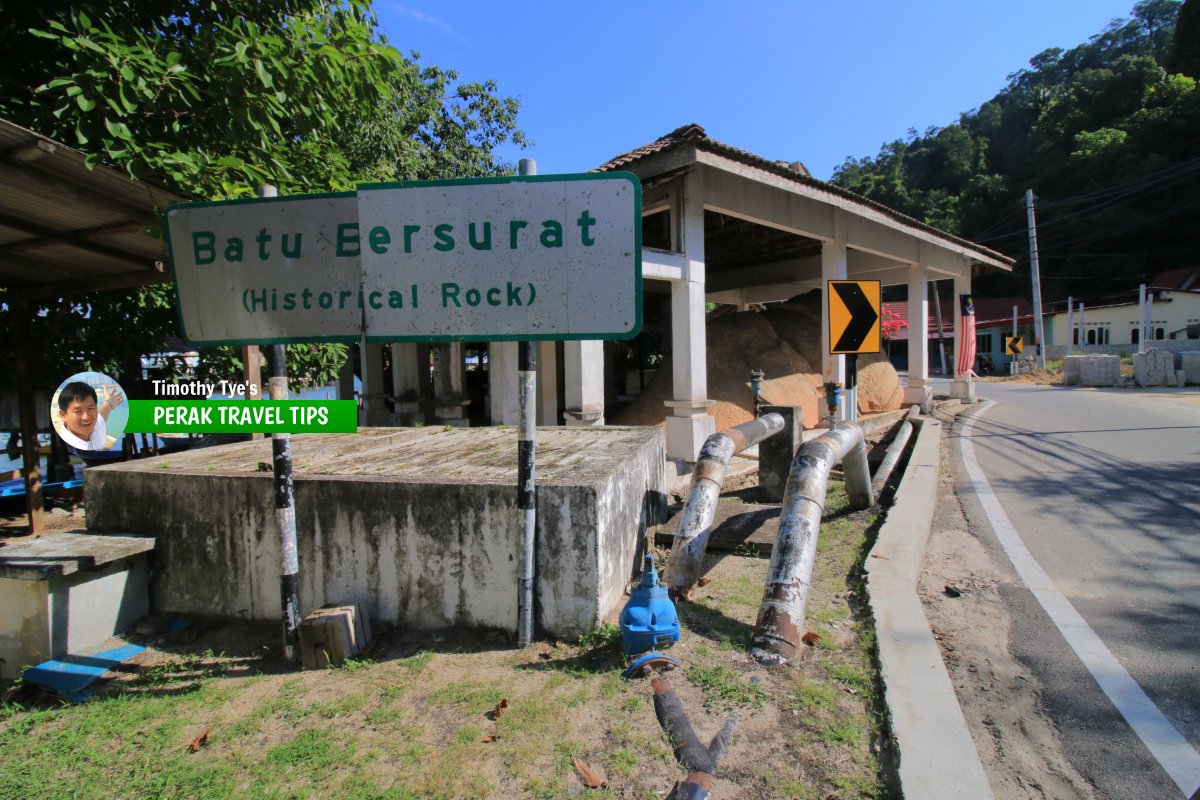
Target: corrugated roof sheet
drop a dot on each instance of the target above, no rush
(66, 229)
(694, 134)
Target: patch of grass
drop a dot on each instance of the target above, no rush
(812, 695)
(468, 734)
(416, 662)
(852, 675)
(722, 687)
(786, 788)
(622, 762)
(606, 635)
(842, 732)
(473, 697)
(312, 749)
(356, 664)
(344, 705)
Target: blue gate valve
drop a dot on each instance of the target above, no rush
(649, 620)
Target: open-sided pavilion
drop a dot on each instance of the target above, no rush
(65, 230)
(724, 225)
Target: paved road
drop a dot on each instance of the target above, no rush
(1103, 488)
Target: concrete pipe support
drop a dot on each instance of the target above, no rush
(700, 507)
(781, 615)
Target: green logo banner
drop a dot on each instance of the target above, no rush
(242, 416)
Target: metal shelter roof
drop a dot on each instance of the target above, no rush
(66, 229)
(796, 175)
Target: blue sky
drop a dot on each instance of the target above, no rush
(809, 80)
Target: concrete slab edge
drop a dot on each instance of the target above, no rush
(937, 755)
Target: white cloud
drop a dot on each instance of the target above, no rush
(421, 16)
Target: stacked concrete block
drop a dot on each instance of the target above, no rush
(1100, 370)
(329, 636)
(1072, 369)
(1190, 363)
(1154, 368)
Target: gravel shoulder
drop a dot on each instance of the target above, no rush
(966, 589)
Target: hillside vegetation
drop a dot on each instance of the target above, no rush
(1105, 134)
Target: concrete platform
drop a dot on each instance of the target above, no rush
(417, 525)
(68, 592)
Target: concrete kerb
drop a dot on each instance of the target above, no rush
(937, 755)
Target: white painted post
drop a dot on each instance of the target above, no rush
(1144, 317)
(1070, 326)
(689, 423)
(374, 410)
(937, 316)
(918, 390)
(547, 383)
(502, 383)
(449, 399)
(834, 267)
(963, 386)
(410, 379)
(1013, 368)
(583, 383)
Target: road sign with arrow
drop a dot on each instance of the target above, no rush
(1014, 345)
(854, 308)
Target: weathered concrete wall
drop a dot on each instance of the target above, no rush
(419, 526)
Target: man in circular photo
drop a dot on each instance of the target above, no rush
(83, 418)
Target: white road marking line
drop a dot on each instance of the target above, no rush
(1173, 752)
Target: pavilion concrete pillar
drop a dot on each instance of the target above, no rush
(375, 411)
(917, 390)
(583, 383)
(410, 381)
(547, 384)
(449, 400)
(833, 268)
(689, 423)
(503, 384)
(963, 385)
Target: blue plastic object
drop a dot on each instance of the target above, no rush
(649, 619)
(74, 676)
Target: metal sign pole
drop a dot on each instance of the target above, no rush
(526, 469)
(285, 501)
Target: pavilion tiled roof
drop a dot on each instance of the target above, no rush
(694, 134)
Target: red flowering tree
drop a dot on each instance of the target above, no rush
(891, 323)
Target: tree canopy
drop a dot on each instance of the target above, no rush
(211, 99)
(1103, 133)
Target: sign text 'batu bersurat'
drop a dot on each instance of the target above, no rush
(539, 257)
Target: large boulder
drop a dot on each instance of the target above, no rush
(785, 343)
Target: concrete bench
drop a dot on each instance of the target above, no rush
(67, 592)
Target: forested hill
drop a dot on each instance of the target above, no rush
(1107, 134)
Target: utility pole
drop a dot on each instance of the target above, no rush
(1037, 278)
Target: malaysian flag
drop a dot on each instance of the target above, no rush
(966, 344)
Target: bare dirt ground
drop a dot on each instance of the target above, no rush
(963, 588)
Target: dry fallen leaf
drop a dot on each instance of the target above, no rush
(500, 708)
(589, 776)
(810, 638)
(704, 582)
(198, 742)
(491, 737)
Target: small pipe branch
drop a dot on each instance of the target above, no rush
(700, 507)
(789, 577)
